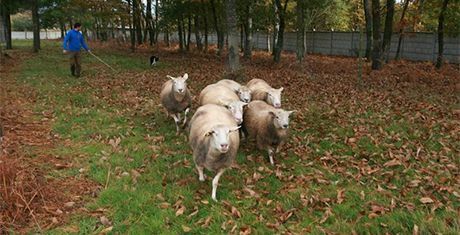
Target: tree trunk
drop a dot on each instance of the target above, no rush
(205, 34)
(123, 30)
(368, 19)
(181, 37)
(248, 32)
(377, 44)
(199, 44)
(276, 26)
(233, 56)
(62, 26)
(300, 31)
(131, 26)
(439, 60)
(149, 22)
(282, 24)
(168, 43)
(388, 31)
(36, 25)
(220, 34)
(155, 26)
(189, 32)
(401, 30)
(137, 21)
(6, 14)
(241, 44)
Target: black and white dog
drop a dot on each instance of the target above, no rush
(153, 60)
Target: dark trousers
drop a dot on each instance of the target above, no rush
(75, 62)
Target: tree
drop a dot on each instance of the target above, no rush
(281, 16)
(36, 25)
(439, 60)
(217, 27)
(7, 7)
(368, 17)
(300, 30)
(131, 25)
(233, 56)
(137, 20)
(377, 44)
(388, 31)
(204, 11)
(149, 22)
(247, 27)
(401, 29)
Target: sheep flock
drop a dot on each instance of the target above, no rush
(227, 112)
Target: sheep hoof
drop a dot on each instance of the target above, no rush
(202, 178)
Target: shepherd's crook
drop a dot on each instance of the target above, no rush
(90, 52)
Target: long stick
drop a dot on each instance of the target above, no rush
(90, 52)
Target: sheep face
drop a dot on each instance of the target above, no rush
(220, 138)
(274, 97)
(179, 83)
(236, 108)
(281, 118)
(245, 94)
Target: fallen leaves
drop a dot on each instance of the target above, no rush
(426, 200)
(181, 210)
(186, 229)
(340, 196)
(394, 162)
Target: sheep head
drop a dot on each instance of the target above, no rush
(220, 137)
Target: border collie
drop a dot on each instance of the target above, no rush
(153, 60)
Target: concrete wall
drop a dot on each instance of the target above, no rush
(415, 46)
(30, 35)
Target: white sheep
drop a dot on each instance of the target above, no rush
(262, 91)
(242, 91)
(267, 125)
(214, 140)
(176, 98)
(222, 95)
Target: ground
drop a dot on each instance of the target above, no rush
(372, 154)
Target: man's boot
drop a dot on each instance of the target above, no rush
(72, 69)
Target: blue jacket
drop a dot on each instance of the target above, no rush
(73, 41)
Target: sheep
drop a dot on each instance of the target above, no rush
(214, 141)
(267, 125)
(242, 91)
(262, 91)
(176, 98)
(221, 95)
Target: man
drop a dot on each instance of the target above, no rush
(73, 42)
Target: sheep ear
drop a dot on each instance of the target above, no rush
(272, 113)
(221, 102)
(234, 129)
(291, 112)
(170, 77)
(209, 133)
(281, 89)
(185, 77)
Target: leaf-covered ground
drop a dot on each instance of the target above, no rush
(373, 155)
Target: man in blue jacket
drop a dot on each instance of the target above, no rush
(73, 42)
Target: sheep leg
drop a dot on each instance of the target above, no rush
(271, 154)
(176, 120)
(215, 182)
(200, 173)
(185, 117)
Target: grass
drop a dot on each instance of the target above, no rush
(306, 184)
